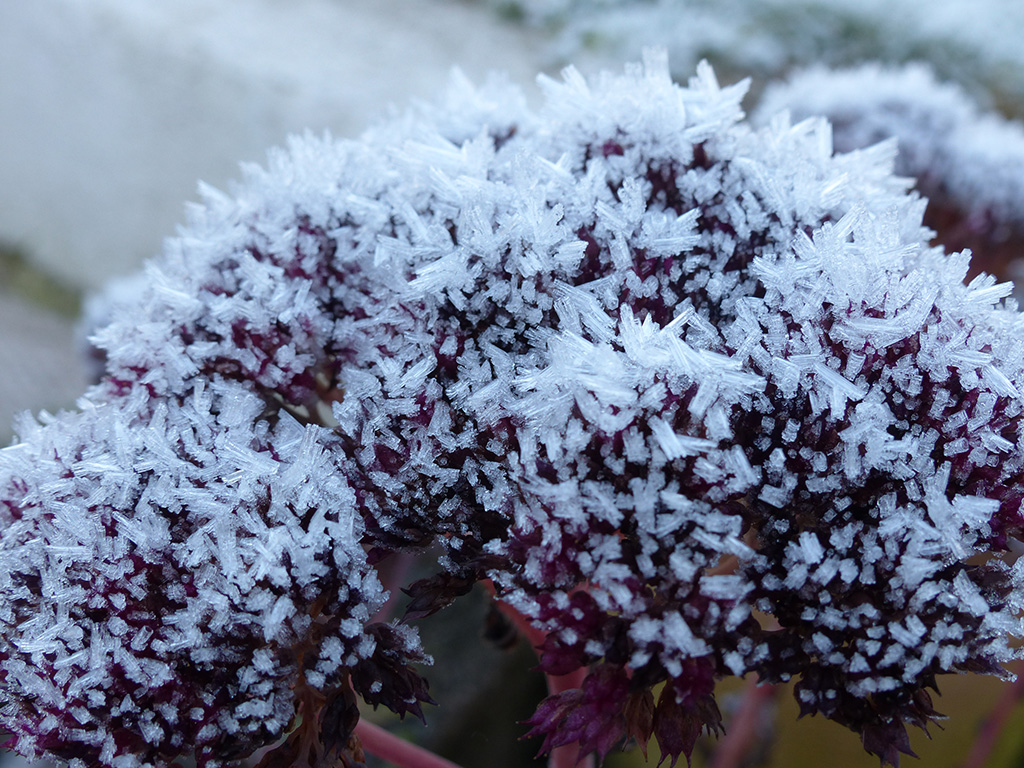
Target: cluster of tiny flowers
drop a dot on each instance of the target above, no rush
(696, 397)
(968, 163)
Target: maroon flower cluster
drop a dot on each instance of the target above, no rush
(697, 399)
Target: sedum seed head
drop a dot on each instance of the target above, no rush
(698, 398)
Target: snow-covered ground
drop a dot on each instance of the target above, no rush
(115, 108)
(973, 42)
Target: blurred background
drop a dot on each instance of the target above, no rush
(112, 111)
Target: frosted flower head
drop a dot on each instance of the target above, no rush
(697, 397)
(172, 584)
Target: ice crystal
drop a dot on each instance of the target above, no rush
(969, 163)
(697, 397)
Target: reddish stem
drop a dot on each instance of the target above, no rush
(399, 752)
(559, 683)
(522, 624)
(392, 573)
(561, 757)
(742, 733)
(994, 724)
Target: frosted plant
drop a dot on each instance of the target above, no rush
(969, 163)
(974, 43)
(697, 398)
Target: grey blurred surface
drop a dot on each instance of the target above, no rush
(113, 109)
(40, 366)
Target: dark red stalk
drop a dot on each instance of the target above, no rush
(994, 724)
(561, 757)
(393, 572)
(742, 732)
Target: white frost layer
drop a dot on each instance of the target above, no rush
(975, 158)
(122, 105)
(574, 340)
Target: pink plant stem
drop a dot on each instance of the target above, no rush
(742, 732)
(566, 757)
(399, 752)
(994, 724)
(522, 625)
(395, 570)
(561, 757)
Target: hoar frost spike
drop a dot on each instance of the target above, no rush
(697, 398)
(968, 163)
